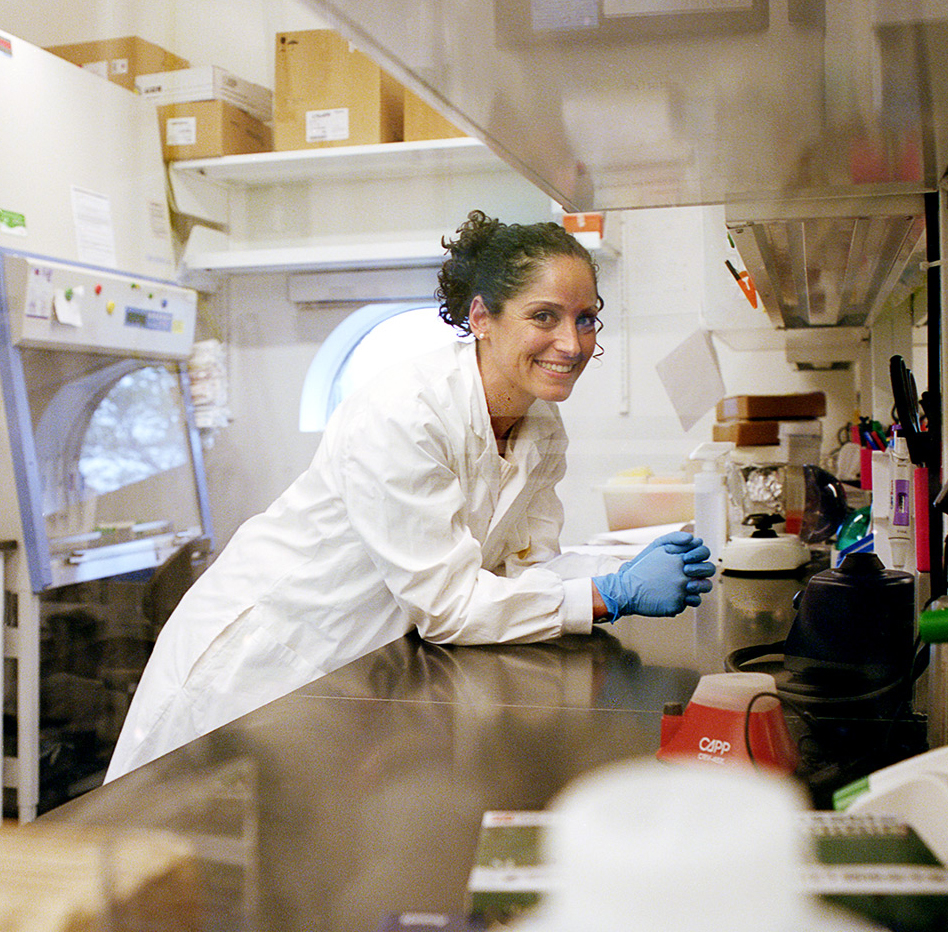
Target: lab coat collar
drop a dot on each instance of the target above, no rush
(467, 363)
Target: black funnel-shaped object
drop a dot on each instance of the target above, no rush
(854, 628)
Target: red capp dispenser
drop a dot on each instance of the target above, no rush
(732, 719)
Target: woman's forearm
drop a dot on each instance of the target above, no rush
(600, 612)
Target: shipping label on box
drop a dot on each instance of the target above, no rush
(100, 68)
(327, 125)
(181, 131)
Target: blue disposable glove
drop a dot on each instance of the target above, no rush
(681, 541)
(694, 555)
(661, 581)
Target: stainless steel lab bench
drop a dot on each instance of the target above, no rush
(361, 794)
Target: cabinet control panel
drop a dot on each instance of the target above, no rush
(60, 306)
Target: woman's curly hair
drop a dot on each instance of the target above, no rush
(497, 261)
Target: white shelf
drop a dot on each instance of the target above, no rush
(372, 254)
(388, 160)
(318, 256)
(424, 189)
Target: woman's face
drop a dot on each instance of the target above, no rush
(542, 339)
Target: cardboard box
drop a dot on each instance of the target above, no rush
(747, 433)
(207, 83)
(586, 228)
(327, 93)
(424, 122)
(120, 60)
(585, 223)
(771, 407)
(207, 128)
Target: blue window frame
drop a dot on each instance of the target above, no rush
(367, 341)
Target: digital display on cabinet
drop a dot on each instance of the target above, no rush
(148, 319)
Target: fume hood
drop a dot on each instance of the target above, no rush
(612, 104)
(819, 123)
(830, 263)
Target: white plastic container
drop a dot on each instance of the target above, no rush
(711, 496)
(647, 503)
(640, 847)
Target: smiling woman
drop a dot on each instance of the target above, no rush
(540, 344)
(430, 505)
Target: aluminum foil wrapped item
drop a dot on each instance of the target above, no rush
(758, 488)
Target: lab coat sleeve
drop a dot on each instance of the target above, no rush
(399, 472)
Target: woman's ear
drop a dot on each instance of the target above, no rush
(478, 317)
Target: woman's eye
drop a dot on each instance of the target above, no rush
(587, 322)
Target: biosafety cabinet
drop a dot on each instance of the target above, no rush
(105, 514)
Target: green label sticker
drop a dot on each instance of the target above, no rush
(12, 222)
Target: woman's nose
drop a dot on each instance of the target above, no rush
(567, 340)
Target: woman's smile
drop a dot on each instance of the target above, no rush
(556, 367)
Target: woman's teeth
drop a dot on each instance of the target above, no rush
(555, 367)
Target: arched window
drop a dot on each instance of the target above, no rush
(364, 344)
(115, 426)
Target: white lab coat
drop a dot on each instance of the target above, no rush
(406, 518)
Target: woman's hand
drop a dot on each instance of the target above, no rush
(667, 576)
(673, 542)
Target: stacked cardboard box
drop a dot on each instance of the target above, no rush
(328, 93)
(203, 112)
(120, 60)
(424, 122)
(754, 420)
(209, 128)
(207, 111)
(207, 82)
